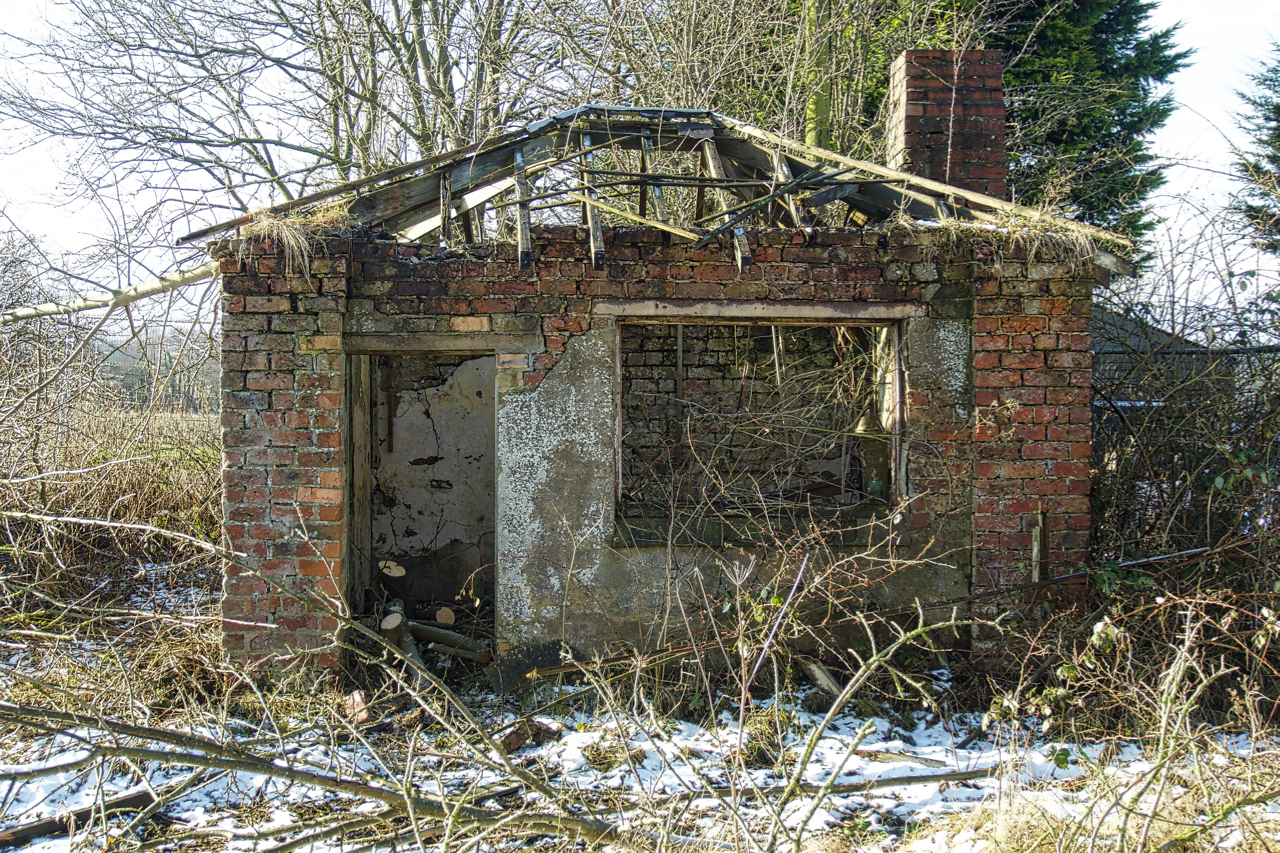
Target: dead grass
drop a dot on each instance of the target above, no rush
(1021, 238)
(159, 469)
(1020, 823)
(297, 233)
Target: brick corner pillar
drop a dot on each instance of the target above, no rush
(283, 459)
(947, 118)
(1033, 436)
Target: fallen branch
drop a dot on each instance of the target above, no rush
(65, 824)
(116, 299)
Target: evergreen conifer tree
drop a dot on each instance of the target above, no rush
(1259, 165)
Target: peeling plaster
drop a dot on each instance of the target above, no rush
(555, 492)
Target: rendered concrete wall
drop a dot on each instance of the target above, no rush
(555, 498)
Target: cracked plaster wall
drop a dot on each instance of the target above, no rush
(433, 487)
(555, 502)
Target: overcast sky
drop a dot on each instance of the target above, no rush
(1230, 37)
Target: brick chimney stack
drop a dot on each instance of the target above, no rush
(946, 118)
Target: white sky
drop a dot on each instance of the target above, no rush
(1230, 37)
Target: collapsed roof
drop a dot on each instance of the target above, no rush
(758, 177)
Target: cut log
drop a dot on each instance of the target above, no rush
(392, 576)
(445, 637)
(391, 627)
(821, 677)
(483, 656)
(410, 648)
(445, 616)
(66, 824)
(395, 607)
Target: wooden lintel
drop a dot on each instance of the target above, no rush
(479, 343)
(777, 313)
(741, 251)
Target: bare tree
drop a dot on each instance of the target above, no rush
(816, 71)
(269, 97)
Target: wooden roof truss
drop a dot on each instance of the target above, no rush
(758, 179)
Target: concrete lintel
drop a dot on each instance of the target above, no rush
(460, 342)
(755, 311)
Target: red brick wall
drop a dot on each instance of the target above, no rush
(1032, 377)
(990, 459)
(947, 118)
(283, 463)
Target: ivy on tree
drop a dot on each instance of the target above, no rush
(1259, 165)
(1081, 82)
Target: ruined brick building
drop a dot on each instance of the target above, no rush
(747, 341)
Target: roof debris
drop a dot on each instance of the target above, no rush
(626, 163)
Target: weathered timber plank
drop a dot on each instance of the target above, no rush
(925, 184)
(696, 312)
(592, 212)
(459, 342)
(359, 512)
(405, 196)
(652, 223)
(524, 242)
(414, 226)
(659, 200)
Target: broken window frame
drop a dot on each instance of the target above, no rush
(890, 377)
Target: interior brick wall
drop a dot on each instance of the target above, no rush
(728, 396)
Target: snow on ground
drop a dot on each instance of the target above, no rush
(628, 772)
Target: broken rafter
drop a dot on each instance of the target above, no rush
(750, 208)
(741, 251)
(460, 205)
(734, 157)
(659, 202)
(919, 183)
(352, 186)
(446, 210)
(590, 211)
(652, 223)
(524, 242)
